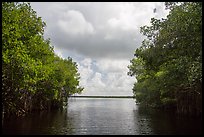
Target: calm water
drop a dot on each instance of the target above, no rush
(102, 116)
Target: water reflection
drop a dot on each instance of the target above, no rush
(102, 116)
(53, 122)
(153, 121)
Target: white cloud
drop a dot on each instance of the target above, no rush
(101, 37)
(119, 83)
(108, 77)
(96, 83)
(125, 19)
(86, 62)
(97, 29)
(73, 23)
(112, 65)
(84, 68)
(58, 52)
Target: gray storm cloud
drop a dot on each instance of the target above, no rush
(100, 37)
(96, 29)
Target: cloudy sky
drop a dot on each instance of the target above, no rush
(100, 37)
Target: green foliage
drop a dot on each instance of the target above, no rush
(168, 65)
(33, 77)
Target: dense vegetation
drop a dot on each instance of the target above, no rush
(33, 77)
(168, 64)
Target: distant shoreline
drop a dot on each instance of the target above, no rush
(101, 97)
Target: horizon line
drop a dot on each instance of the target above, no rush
(96, 96)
